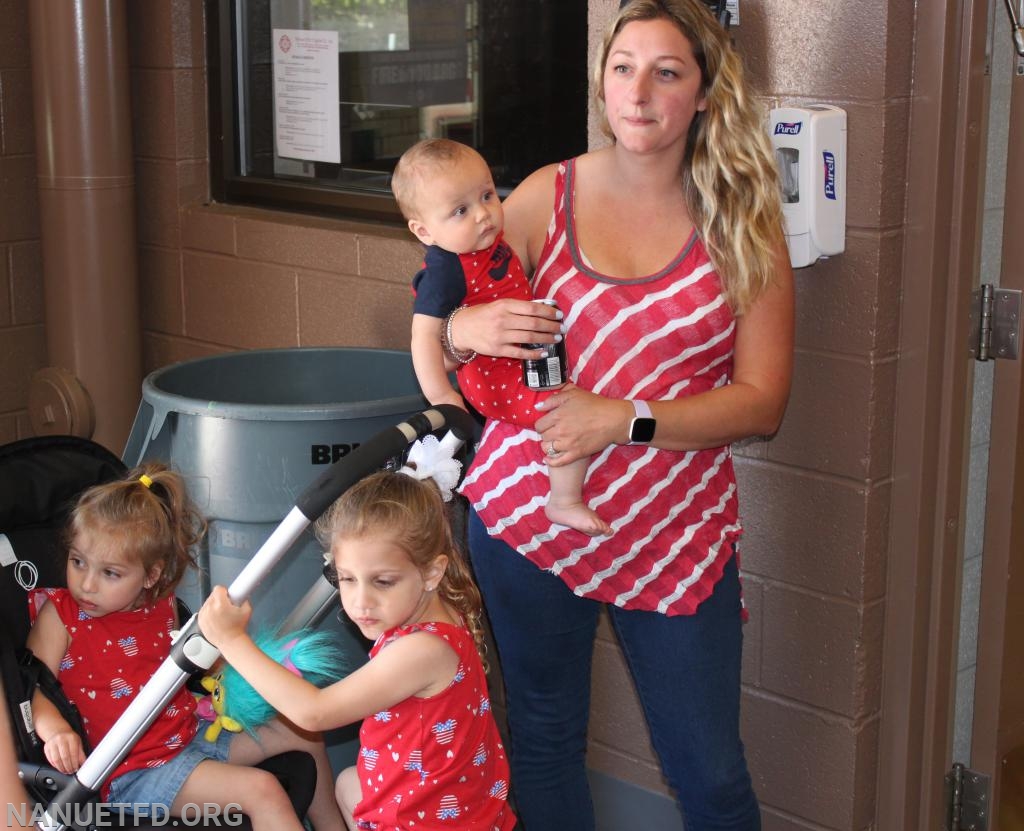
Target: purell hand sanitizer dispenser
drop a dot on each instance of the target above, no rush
(810, 149)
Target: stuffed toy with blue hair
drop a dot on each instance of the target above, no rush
(234, 705)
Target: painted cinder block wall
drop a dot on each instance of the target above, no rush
(22, 333)
(814, 498)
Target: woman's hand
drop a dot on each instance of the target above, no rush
(580, 424)
(499, 329)
(220, 620)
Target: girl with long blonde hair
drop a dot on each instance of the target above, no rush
(430, 755)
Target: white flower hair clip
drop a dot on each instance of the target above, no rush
(435, 460)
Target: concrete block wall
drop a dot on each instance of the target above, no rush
(815, 499)
(22, 333)
(216, 278)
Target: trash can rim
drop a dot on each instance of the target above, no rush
(268, 411)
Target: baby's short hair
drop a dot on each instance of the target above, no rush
(420, 161)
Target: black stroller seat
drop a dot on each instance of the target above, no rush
(40, 480)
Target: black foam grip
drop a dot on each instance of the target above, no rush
(372, 454)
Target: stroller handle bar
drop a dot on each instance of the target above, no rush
(191, 652)
(338, 478)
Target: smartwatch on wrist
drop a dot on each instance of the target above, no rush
(643, 425)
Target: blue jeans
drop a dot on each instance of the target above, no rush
(161, 785)
(687, 674)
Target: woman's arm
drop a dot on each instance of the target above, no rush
(528, 213)
(49, 641)
(410, 666)
(581, 423)
(12, 790)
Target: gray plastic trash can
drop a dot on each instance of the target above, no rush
(249, 431)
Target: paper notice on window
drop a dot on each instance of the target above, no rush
(306, 95)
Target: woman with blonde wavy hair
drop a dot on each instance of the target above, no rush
(665, 254)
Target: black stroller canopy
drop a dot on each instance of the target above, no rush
(40, 479)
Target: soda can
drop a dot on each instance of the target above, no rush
(546, 373)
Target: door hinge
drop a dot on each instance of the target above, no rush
(995, 323)
(967, 800)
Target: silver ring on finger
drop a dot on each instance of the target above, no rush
(551, 452)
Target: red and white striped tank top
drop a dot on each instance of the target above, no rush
(674, 513)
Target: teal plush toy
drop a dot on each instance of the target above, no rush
(233, 704)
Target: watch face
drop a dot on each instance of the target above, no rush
(641, 430)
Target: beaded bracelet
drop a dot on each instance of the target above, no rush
(446, 341)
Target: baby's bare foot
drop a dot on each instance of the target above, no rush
(579, 516)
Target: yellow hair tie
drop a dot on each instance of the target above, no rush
(146, 480)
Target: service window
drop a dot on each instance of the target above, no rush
(313, 101)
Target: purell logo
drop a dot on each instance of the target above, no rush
(830, 174)
(788, 128)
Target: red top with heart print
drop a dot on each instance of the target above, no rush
(109, 660)
(438, 762)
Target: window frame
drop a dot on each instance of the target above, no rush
(230, 187)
